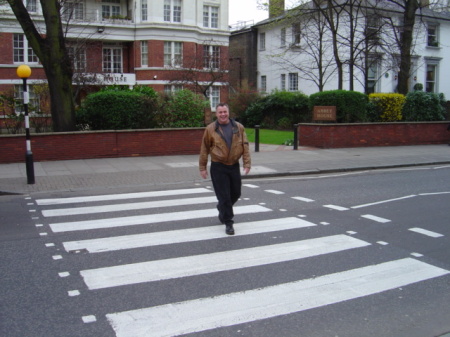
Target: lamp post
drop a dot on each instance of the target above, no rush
(24, 71)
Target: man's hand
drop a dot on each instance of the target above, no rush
(204, 174)
(246, 170)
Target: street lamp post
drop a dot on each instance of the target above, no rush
(24, 72)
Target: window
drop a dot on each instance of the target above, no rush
(283, 82)
(293, 82)
(433, 40)
(112, 59)
(296, 34)
(211, 16)
(430, 81)
(32, 6)
(372, 76)
(262, 41)
(283, 37)
(22, 52)
(111, 11)
(33, 102)
(263, 84)
(172, 54)
(213, 94)
(211, 57)
(78, 58)
(144, 11)
(172, 10)
(373, 28)
(144, 53)
(172, 89)
(72, 10)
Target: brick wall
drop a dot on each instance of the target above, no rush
(373, 134)
(102, 144)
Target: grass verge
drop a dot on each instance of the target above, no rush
(275, 137)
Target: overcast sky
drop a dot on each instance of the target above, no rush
(245, 10)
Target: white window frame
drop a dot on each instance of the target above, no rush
(263, 83)
(173, 54)
(283, 37)
(432, 35)
(213, 94)
(72, 10)
(373, 73)
(170, 89)
(262, 41)
(172, 11)
(22, 52)
(434, 64)
(296, 34)
(210, 16)
(31, 6)
(283, 82)
(144, 53)
(111, 9)
(211, 57)
(293, 81)
(77, 57)
(112, 61)
(144, 11)
(33, 101)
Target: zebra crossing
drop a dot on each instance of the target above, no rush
(89, 224)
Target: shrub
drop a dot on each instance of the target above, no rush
(281, 109)
(386, 107)
(424, 106)
(182, 109)
(241, 100)
(116, 110)
(350, 105)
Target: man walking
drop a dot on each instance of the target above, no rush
(225, 140)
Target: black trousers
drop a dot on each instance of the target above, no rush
(227, 182)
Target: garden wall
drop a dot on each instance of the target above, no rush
(372, 134)
(102, 144)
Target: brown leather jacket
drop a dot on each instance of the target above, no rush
(213, 143)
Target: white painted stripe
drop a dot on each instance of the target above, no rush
(108, 197)
(436, 193)
(338, 208)
(274, 192)
(375, 218)
(209, 263)
(183, 235)
(148, 219)
(426, 232)
(250, 185)
(241, 307)
(303, 199)
(384, 201)
(127, 207)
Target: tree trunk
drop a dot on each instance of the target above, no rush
(52, 53)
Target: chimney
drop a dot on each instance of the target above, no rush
(276, 8)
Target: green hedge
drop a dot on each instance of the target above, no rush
(424, 106)
(351, 106)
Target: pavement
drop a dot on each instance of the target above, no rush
(269, 161)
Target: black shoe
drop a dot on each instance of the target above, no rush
(220, 216)
(229, 229)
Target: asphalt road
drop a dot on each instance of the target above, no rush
(348, 254)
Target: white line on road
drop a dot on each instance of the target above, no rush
(274, 191)
(148, 219)
(127, 207)
(384, 201)
(425, 232)
(375, 218)
(209, 263)
(108, 197)
(241, 307)
(302, 199)
(337, 208)
(183, 235)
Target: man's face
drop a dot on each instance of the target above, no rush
(222, 114)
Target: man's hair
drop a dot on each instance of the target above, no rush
(223, 104)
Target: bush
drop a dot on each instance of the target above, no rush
(116, 110)
(281, 110)
(386, 107)
(183, 109)
(424, 106)
(351, 106)
(240, 101)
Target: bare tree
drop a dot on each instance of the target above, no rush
(52, 53)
